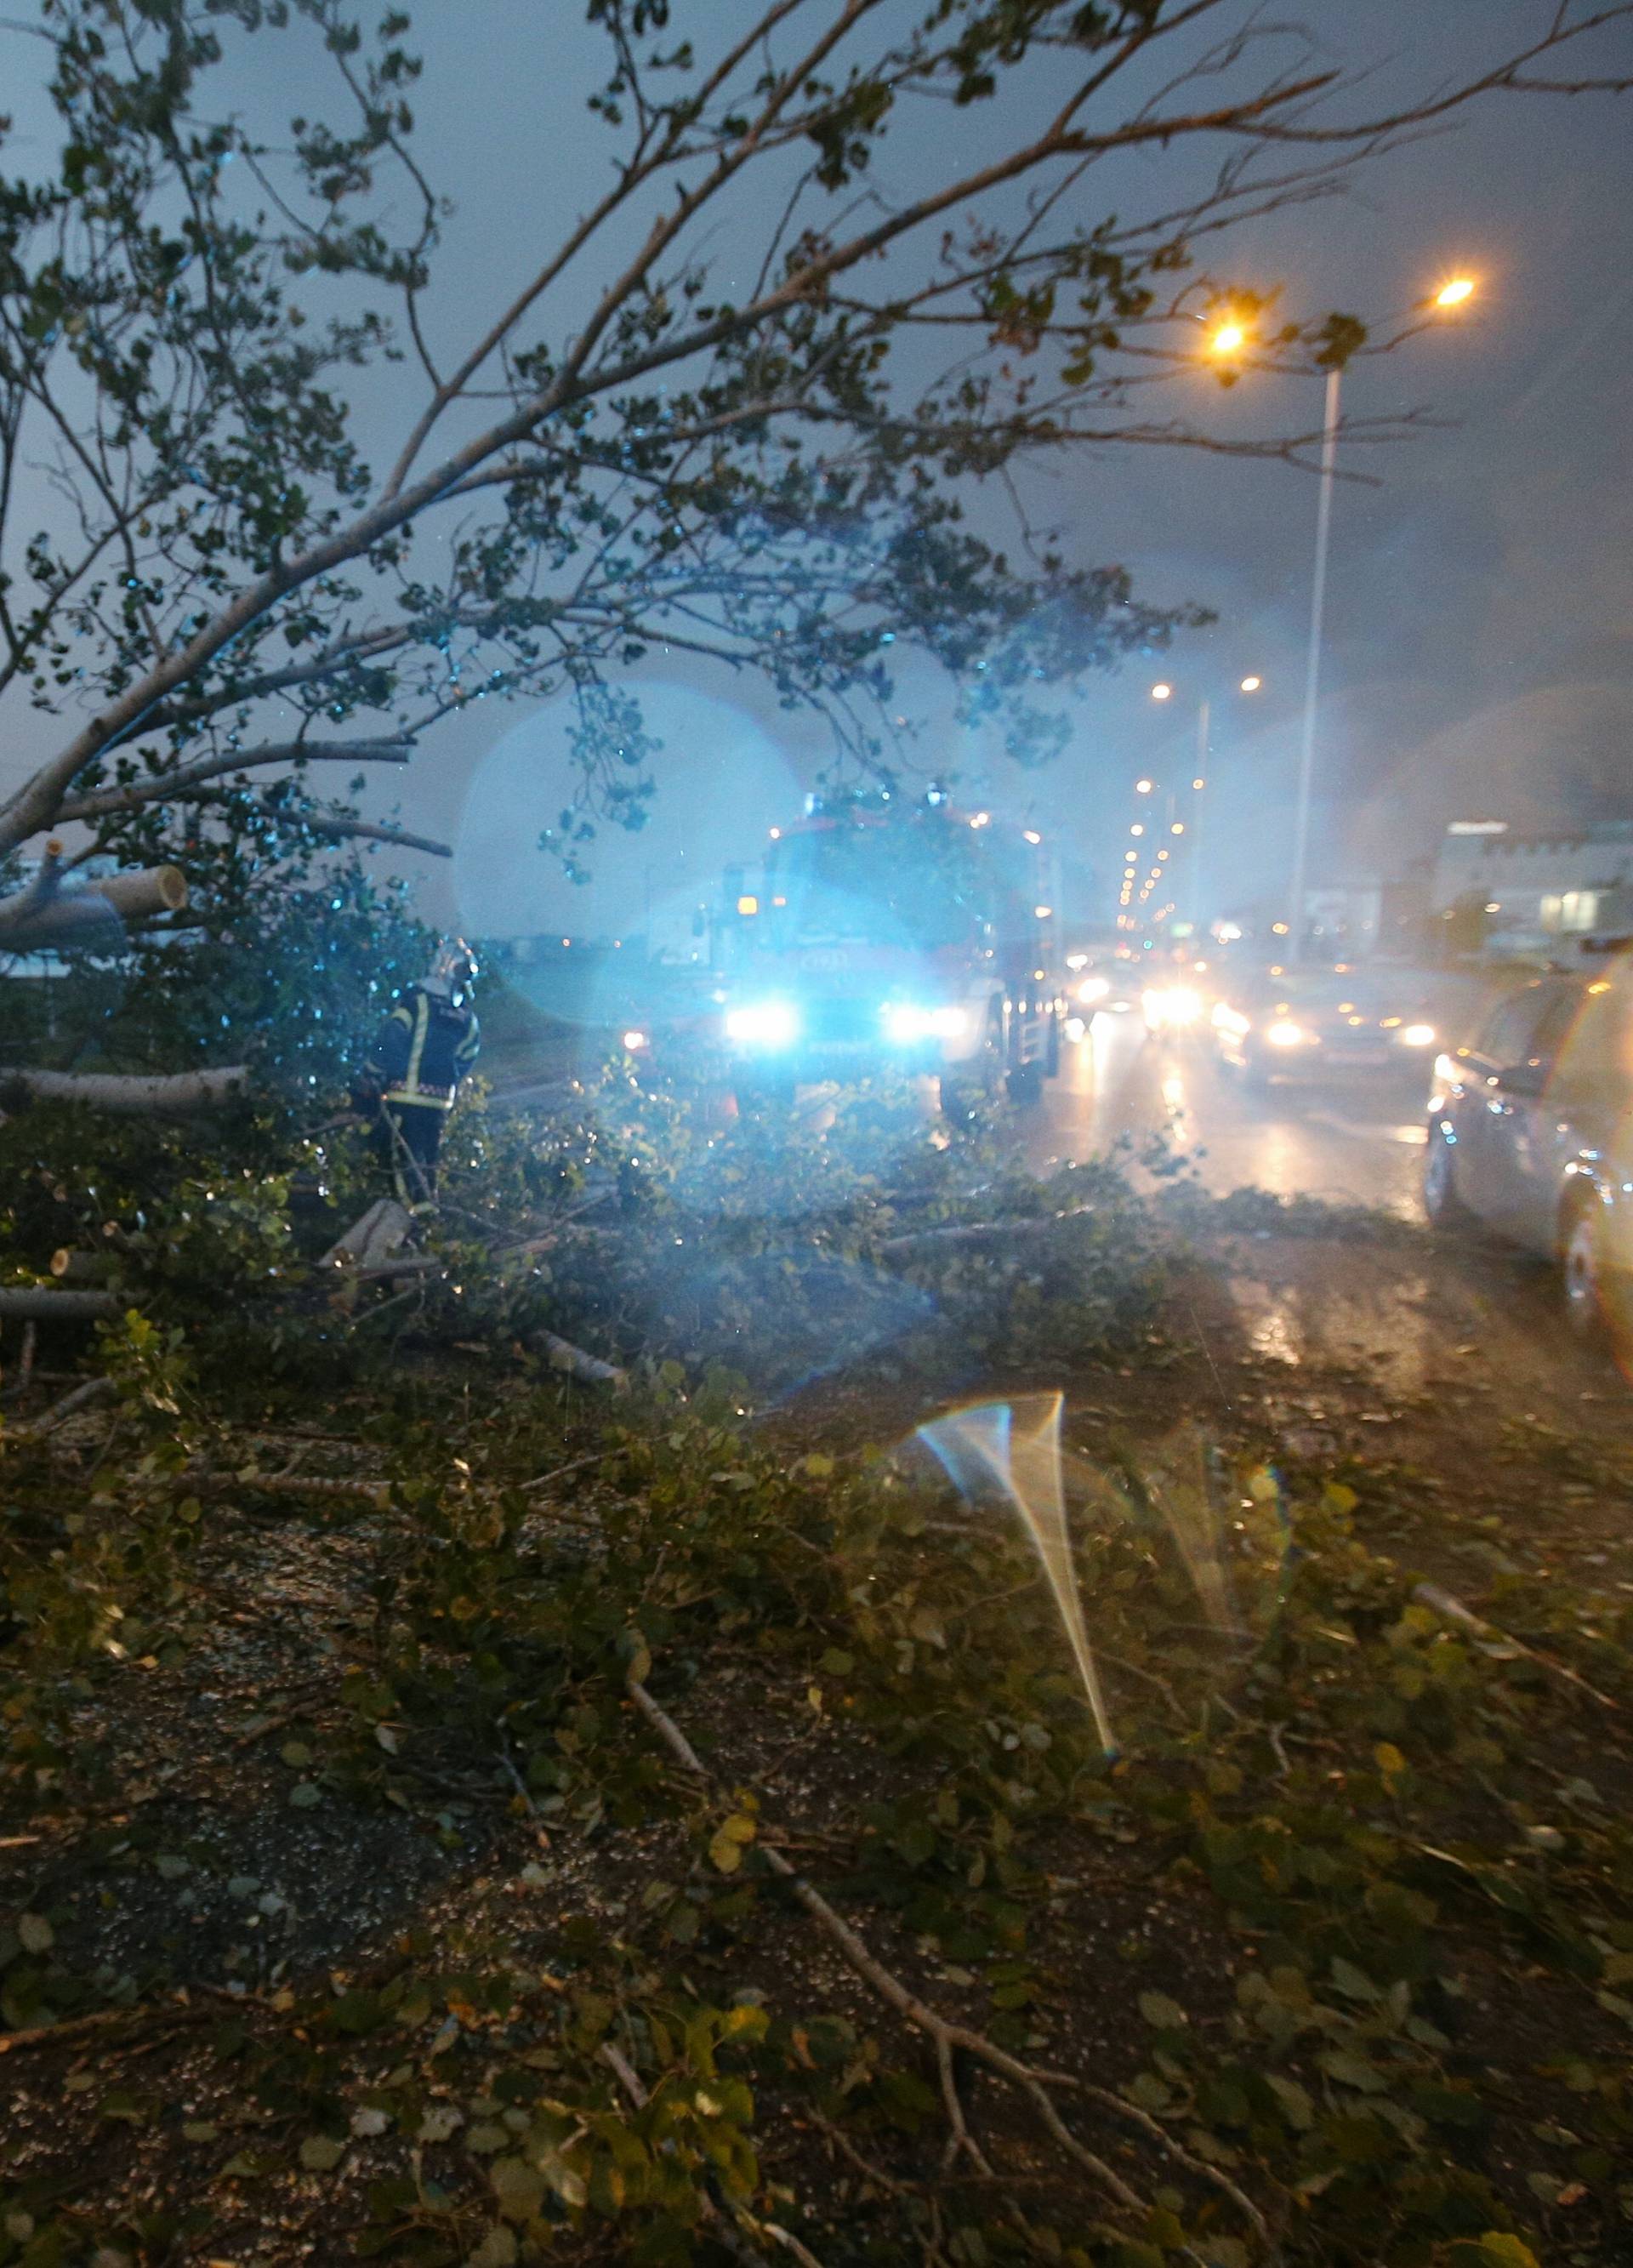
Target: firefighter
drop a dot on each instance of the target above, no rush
(424, 1048)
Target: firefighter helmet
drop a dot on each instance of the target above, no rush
(454, 973)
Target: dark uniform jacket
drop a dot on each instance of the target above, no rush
(424, 1050)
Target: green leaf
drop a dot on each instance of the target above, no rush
(1297, 2107)
(730, 1839)
(1162, 2013)
(35, 1933)
(305, 1795)
(497, 2249)
(518, 2187)
(1505, 2251)
(319, 2153)
(1352, 1981)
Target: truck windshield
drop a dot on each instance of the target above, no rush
(924, 884)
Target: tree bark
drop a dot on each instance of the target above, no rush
(47, 1304)
(160, 1095)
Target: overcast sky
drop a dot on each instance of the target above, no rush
(1480, 651)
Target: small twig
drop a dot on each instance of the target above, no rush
(509, 1761)
(274, 1724)
(74, 2027)
(948, 2039)
(625, 2073)
(1443, 1602)
(575, 1465)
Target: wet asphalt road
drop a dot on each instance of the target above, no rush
(1351, 1140)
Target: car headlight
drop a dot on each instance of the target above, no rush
(763, 1023)
(1075, 1029)
(1171, 1004)
(1226, 1018)
(1094, 989)
(1282, 1033)
(1418, 1036)
(907, 1021)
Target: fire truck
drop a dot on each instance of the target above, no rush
(882, 931)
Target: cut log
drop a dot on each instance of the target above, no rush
(45, 914)
(135, 1095)
(589, 1369)
(372, 1238)
(47, 1304)
(70, 1266)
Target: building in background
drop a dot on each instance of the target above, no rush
(1528, 895)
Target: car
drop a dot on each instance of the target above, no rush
(1531, 1132)
(1308, 1024)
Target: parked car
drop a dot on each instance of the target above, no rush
(1309, 1023)
(1530, 1130)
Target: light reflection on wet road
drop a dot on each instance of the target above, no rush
(1353, 1139)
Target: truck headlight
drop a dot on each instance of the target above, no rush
(908, 1021)
(763, 1024)
(1171, 1007)
(1285, 1035)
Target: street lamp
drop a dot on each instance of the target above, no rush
(1454, 294)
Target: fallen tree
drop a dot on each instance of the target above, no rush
(626, 456)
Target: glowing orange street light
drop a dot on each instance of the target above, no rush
(1456, 293)
(1229, 339)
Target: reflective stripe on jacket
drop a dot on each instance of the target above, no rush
(424, 1050)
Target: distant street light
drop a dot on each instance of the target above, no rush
(1141, 787)
(1252, 684)
(1454, 294)
(1229, 339)
(1162, 693)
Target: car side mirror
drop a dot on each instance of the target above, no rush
(1523, 1078)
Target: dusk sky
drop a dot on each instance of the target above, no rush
(1479, 659)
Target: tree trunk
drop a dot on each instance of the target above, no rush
(46, 915)
(136, 1095)
(46, 1303)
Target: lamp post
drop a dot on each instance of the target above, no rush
(1227, 343)
(1313, 668)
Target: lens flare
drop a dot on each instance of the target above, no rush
(1012, 1450)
